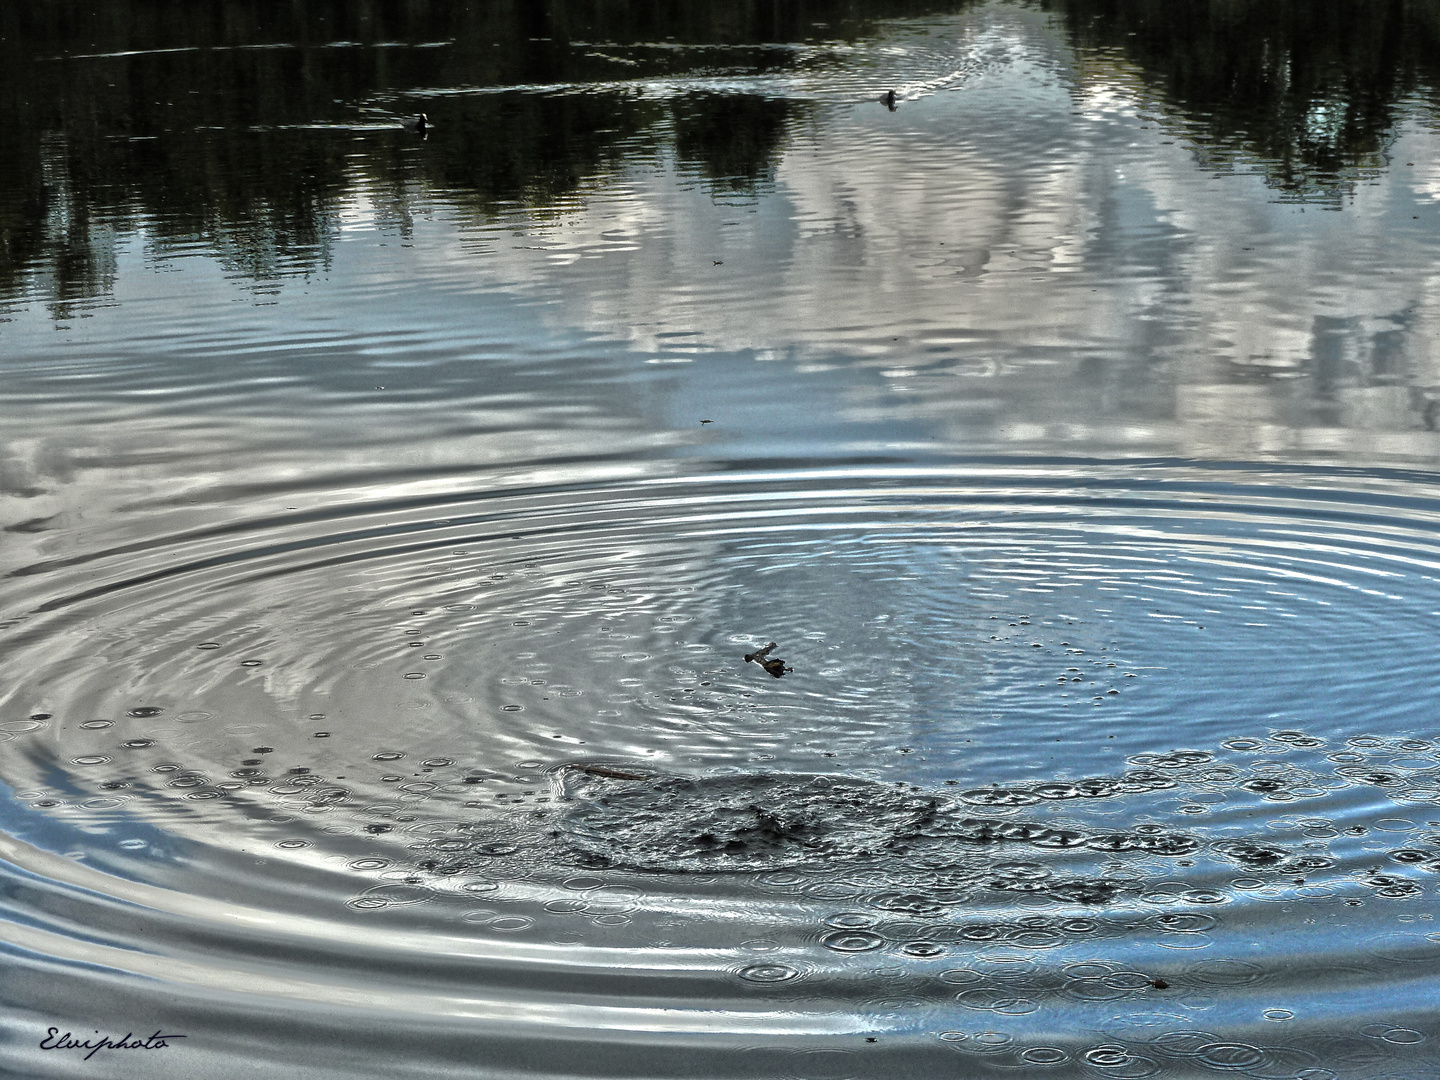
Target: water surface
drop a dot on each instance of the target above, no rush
(389, 516)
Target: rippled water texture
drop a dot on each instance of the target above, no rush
(397, 526)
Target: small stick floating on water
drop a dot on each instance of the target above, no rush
(775, 667)
(758, 656)
(562, 777)
(608, 773)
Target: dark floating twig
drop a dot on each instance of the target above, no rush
(560, 777)
(609, 773)
(758, 656)
(775, 667)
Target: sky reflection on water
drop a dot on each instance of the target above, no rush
(1026, 253)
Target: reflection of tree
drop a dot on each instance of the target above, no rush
(734, 139)
(240, 125)
(1306, 89)
(730, 22)
(529, 148)
(247, 139)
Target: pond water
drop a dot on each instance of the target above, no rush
(395, 522)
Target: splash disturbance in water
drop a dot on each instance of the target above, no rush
(847, 540)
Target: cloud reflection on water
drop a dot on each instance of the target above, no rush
(1028, 259)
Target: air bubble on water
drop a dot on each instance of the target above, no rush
(768, 973)
(1396, 825)
(495, 849)
(850, 920)
(511, 924)
(1182, 922)
(582, 884)
(922, 949)
(1401, 1036)
(851, 941)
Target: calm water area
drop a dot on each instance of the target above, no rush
(394, 518)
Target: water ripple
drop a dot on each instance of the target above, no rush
(595, 788)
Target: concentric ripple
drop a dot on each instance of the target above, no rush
(922, 612)
(1024, 756)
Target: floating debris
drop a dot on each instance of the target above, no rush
(608, 773)
(775, 667)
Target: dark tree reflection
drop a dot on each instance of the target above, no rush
(239, 126)
(1308, 91)
(734, 140)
